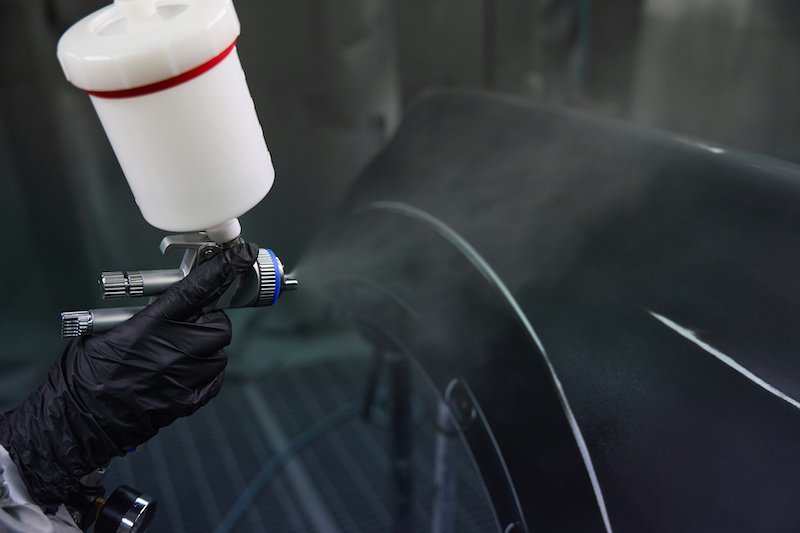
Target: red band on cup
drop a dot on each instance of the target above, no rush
(165, 84)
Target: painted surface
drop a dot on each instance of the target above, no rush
(658, 274)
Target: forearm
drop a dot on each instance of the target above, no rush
(54, 441)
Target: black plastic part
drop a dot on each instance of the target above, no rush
(118, 505)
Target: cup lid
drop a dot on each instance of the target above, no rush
(135, 43)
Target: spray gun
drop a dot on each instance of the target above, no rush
(165, 80)
(261, 286)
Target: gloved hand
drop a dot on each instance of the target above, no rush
(114, 391)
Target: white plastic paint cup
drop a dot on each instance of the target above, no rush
(166, 82)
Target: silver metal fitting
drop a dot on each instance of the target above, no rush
(125, 511)
(137, 283)
(113, 284)
(76, 323)
(117, 284)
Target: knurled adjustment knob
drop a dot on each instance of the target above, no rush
(113, 284)
(76, 323)
(117, 284)
(135, 283)
(268, 277)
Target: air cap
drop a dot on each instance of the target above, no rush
(136, 43)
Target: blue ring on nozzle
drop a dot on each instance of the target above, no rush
(276, 266)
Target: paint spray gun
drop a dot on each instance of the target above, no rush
(260, 286)
(165, 80)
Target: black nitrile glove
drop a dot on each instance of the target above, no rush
(114, 391)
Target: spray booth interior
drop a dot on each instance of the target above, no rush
(547, 279)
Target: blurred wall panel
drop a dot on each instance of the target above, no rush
(323, 74)
(440, 44)
(722, 70)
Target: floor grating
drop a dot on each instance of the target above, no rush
(200, 466)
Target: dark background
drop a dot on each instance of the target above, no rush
(332, 80)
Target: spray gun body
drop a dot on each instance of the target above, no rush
(260, 286)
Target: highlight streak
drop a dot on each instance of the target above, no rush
(690, 335)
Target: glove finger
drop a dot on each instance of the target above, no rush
(187, 398)
(150, 338)
(204, 284)
(213, 317)
(200, 339)
(204, 394)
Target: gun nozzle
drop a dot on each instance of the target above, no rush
(290, 284)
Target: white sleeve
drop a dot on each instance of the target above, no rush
(18, 513)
